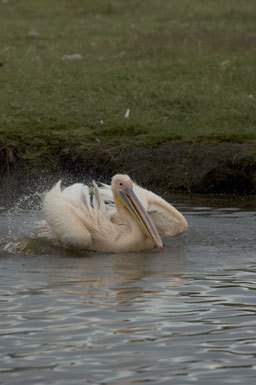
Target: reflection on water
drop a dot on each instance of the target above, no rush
(184, 315)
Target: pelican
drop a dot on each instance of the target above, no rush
(122, 217)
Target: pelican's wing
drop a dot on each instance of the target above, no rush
(167, 224)
(106, 194)
(77, 192)
(79, 217)
(168, 220)
(107, 197)
(63, 210)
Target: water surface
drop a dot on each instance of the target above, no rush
(184, 315)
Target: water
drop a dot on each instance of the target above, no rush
(182, 316)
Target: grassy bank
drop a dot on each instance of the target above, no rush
(185, 69)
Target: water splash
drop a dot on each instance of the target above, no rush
(18, 222)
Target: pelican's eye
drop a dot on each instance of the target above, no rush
(120, 184)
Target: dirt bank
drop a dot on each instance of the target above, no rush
(168, 167)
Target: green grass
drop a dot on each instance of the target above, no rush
(185, 69)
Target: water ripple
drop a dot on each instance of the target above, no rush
(185, 315)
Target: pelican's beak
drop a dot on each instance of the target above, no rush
(128, 199)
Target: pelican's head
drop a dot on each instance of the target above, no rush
(122, 188)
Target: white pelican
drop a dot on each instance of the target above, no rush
(122, 217)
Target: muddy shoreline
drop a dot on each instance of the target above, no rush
(168, 167)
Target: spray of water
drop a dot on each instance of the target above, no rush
(19, 221)
(22, 227)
